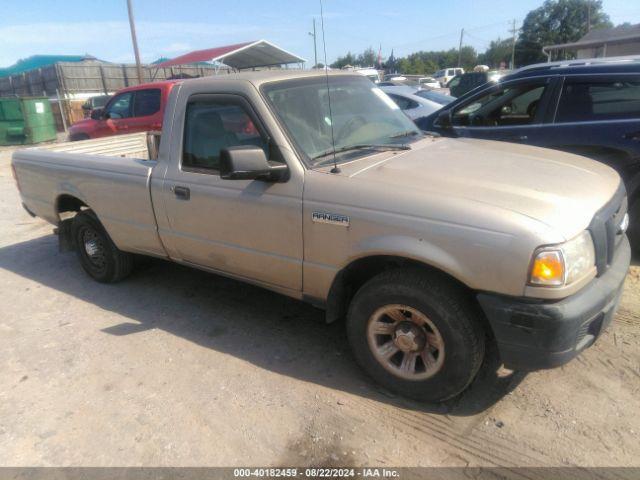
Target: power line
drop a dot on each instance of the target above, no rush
(453, 34)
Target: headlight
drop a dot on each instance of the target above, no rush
(563, 264)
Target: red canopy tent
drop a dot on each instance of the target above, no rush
(240, 56)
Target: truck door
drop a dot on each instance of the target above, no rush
(248, 228)
(117, 113)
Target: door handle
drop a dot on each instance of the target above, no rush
(632, 136)
(182, 193)
(519, 138)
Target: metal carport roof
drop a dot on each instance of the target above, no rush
(239, 56)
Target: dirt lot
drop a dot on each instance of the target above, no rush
(179, 367)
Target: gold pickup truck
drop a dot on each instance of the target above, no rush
(319, 188)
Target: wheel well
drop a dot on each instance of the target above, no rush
(69, 203)
(349, 280)
(78, 136)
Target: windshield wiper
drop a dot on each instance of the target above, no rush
(408, 133)
(364, 146)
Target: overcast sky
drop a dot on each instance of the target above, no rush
(169, 28)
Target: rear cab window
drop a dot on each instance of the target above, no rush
(146, 102)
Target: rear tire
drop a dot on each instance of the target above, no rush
(99, 256)
(417, 334)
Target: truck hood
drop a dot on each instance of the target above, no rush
(561, 190)
(84, 123)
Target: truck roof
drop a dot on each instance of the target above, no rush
(161, 84)
(264, 76)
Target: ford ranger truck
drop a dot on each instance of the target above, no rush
(430, 249)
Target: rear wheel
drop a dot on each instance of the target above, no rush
(417, 334)
(99, 256)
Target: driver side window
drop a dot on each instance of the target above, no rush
(120, 107)
(211, 126)
(506, 107)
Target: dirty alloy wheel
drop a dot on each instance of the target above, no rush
(417, 333)
(405, 342)
(99, 256)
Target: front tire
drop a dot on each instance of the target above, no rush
(416, 333)
(98, 255)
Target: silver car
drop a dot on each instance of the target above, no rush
(411, 104)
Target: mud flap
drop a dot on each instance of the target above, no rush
(65, 238)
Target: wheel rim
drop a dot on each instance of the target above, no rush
(94, 249)
(405, 342)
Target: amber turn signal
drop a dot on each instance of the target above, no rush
(548, 268)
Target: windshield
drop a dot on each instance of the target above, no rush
(362, 114)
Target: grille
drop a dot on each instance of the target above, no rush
(604, 229)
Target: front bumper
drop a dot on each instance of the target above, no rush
(536, 334)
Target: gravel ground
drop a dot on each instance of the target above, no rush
(183, 368)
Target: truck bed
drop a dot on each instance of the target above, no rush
(109, 175)
(134, 145)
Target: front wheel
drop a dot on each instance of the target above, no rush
(417, 334)
(99, 256)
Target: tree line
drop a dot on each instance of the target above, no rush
(555, 22)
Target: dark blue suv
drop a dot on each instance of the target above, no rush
(587, 107)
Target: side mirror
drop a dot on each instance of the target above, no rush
(97, 113)
(86, 106)
(444, 119)
(250, 163)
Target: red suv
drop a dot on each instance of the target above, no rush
(131, 110)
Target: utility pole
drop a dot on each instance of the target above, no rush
(513, 46)
(315, 50)
(460, 48)
(135, 42)
(588, 16)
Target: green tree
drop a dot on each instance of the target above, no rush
(368, 58)
(348, 59)
(421, 63)
(556, 22)
(499, 52)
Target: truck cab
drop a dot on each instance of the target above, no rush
(130, 110)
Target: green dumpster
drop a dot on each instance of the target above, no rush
(26, 120)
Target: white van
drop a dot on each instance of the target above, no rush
(443, 76)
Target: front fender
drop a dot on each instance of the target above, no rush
(411, 248)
